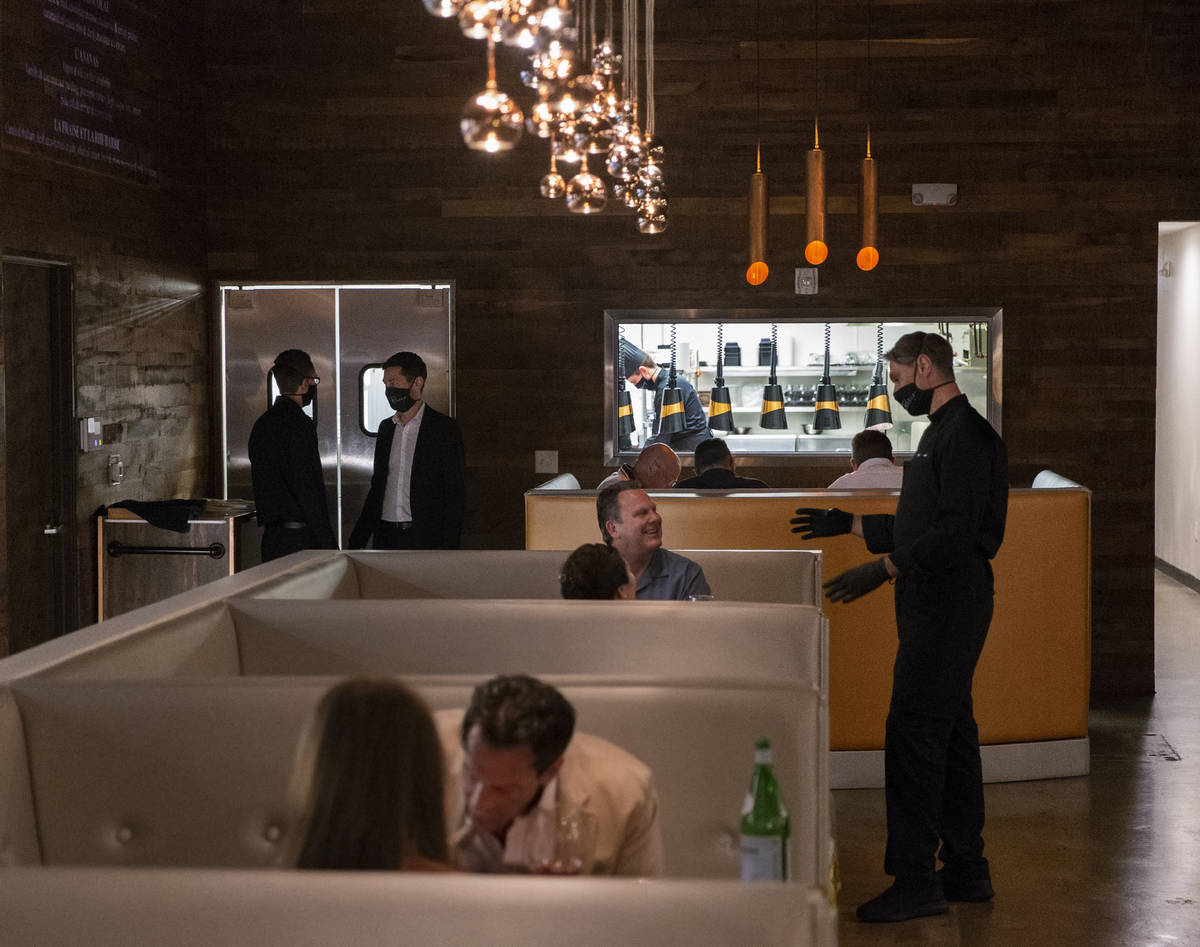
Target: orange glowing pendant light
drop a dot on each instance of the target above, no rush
(756, 272)
(815, 248)
(868, 196)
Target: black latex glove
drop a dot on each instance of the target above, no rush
(856, 582)
(820, 523)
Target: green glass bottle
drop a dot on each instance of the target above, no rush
(765, 825)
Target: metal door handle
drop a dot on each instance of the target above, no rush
(51, 529)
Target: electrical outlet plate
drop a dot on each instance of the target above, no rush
(806, 281)
(545, 461)
(934, 195)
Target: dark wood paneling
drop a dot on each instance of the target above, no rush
(333, 153)
(137, 255)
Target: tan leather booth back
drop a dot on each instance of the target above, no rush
(1033, 680)
(194, 774)
(65, 907)
(484, 637)
(784, 575)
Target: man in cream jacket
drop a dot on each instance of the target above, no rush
(514, 758)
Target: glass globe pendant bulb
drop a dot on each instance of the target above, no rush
(562, 144)
(654, 223)
(542, 120)
(553, 184)
(491, 121)
(444, 8)
(586, 193)
(477, 18)
(605, 59)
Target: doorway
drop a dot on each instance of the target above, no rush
(348, 330)
(39, 600)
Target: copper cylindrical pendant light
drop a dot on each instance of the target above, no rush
(868, 213)
(720, 408)
(815, 249)
(757, 271)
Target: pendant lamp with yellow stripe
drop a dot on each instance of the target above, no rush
(670, 415)
(720, 409)
(827, 417)
(879, 409)
(774, 417)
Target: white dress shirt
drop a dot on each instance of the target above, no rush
(397, 501)
(874, 473)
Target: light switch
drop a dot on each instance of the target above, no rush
(545, 461)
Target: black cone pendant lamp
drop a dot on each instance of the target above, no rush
(773, 418)
(720, 410)
(670, 415)
(827, 417)
(625, 425)
(879, 409)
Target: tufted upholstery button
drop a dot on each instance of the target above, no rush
(125, 834)
(273, 832)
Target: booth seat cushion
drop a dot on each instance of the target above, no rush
(65, 907)
(715, 639)
(194, 774)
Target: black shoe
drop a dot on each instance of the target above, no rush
(904, 902)
(966, 889)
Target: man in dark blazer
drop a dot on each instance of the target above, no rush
(285, 465)
(417, 490)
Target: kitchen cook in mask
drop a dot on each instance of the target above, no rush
(636, 367)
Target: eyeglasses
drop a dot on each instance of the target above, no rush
(314, 379)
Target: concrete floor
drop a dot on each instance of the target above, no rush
(1108, 859)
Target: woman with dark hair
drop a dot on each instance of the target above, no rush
(370, 774)
(596, 570)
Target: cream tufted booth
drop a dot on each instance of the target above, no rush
(194, 774)
(63, 907)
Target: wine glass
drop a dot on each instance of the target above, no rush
(561, 843)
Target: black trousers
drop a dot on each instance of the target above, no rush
(934, 780)
(279, 541)
(392, 536)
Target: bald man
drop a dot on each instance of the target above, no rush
(657, 468)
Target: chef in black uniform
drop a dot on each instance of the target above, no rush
(948, 525)
(285, 465)
(641, 371)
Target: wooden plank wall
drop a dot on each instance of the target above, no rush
(137, 255)
(1068, 125)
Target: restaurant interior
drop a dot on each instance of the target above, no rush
(1024, 165)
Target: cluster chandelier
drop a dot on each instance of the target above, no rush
(587, 98)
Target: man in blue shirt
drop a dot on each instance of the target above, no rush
(630, 523)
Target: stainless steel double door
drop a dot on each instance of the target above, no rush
(349, 330)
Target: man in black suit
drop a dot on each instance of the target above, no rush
(285, 465)
(417, 489)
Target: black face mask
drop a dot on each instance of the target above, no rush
(400, 399)
(916, 401)
(307, 398)
(646, 384)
